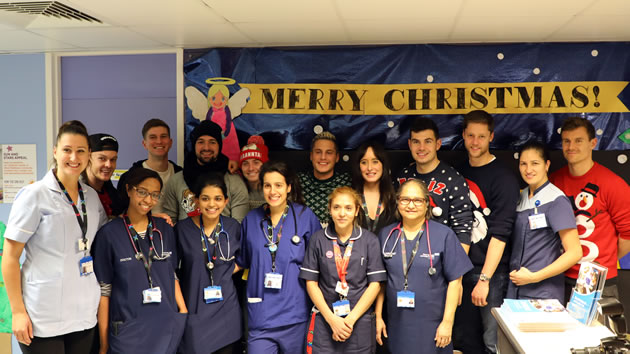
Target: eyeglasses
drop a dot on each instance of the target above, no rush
(415, 201)
(143, 193)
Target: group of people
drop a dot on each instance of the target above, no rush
(332, 262)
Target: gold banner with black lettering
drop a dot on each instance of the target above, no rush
(457, 98)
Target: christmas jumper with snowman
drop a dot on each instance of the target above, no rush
(448, 192)
(602, 213)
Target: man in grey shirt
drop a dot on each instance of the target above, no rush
(177, 200)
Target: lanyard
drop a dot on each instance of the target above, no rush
(407, 267)
(214, 240)
(83, 221)
(342, 264)
(135, 243)
(273, 245)
(371, 223)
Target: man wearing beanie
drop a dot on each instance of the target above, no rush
(177, 200)
(253, 156)
(99, 172)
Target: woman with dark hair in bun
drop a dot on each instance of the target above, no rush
(207, 245)
(545, 240)
(274, 240)
(55, 296)
(134, 260)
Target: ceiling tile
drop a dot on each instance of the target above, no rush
(148, 12)
(594, 28)
(397, 9)
(273, 10)
(295, 33)
(194, 35)
(608, 7)
(506, 29)
(111, 37)
(501, 8)
(400, 31)
(25, 41)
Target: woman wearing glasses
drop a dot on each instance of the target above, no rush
(425, 263)
(207, 245)
(274, 240)
(134, 261)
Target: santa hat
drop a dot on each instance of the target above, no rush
(476, 197)
(255, 149)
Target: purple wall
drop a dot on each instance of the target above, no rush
(117, 94)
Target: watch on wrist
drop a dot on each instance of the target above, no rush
(483, 277)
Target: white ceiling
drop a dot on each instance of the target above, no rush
(164, 24)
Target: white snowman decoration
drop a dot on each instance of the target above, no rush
(584, 220)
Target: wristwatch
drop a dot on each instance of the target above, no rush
(483, 277)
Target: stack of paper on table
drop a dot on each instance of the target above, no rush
(538, 315)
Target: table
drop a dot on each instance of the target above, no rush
(511, 340)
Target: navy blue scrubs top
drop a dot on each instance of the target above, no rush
(365, 266)
(412, 330)
(271, 308)
(134, 326)
(536, 249)
(209, 326)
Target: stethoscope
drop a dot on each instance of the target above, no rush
(295, 239)
(391, 253)
(153, 251)
(211, 240)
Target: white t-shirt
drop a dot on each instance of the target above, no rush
(165, 177)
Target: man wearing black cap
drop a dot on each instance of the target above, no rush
(177, 200)
(100, 169)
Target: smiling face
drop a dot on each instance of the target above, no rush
(477, 138)
(157, 142)
(140, 204)
(576, 146)
(343, 211)
(251, 170)
(533, 168)
(424, 146)
(275, 189)
(371, 167)
(324, 156)
(206, 149)
(102, 165)
(218, 101)
(72, 154)
(211, 202)
(412, 203)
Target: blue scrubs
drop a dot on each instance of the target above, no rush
(536, 249)
(412, 330)
(215, 325)
(365, 266)
(269, 308)
(135, 327)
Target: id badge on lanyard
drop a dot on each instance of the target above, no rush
(406, 299)
(86, 266)
(273, 281)
(212, 294)
(152, 295)
(341, 308)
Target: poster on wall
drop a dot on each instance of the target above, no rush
(19, 168)
(287, 95)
